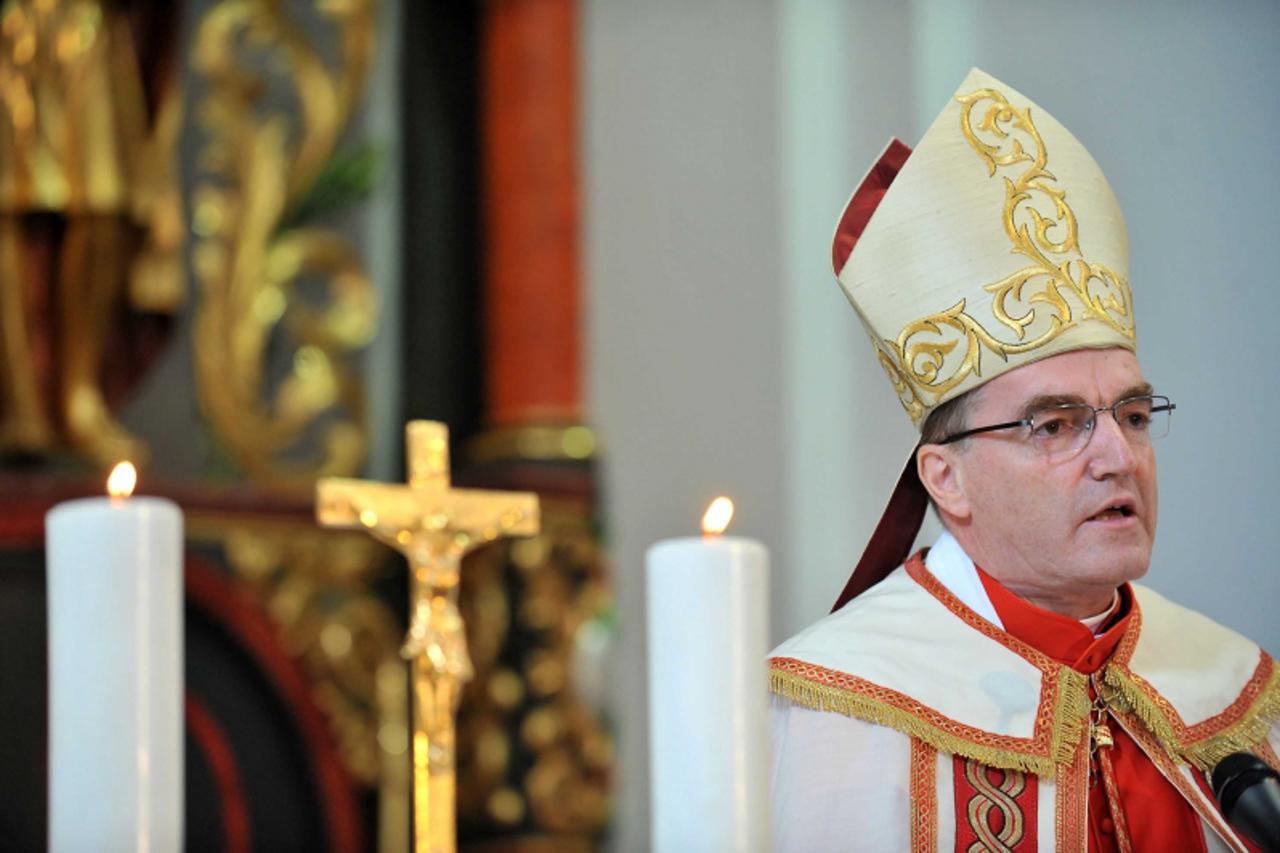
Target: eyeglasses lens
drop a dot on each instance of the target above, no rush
(1144, 416)
(1064, 430)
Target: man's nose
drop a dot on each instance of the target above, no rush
(1111, 452)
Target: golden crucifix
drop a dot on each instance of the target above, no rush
(433, 525)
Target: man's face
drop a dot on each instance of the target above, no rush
(1042, 527)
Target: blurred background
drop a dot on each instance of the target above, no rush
(241, 243)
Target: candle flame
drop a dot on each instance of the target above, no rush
(717, 517)
(122, 479)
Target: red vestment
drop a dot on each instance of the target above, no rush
(1153, 816)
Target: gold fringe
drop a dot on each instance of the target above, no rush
(1135, 701)
(820, 697)
(1070, 718)
(1243, 735)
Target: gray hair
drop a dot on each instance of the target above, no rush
(948, 419)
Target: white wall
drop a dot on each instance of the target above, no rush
(684, 306)
(722, 139)
(846, 438)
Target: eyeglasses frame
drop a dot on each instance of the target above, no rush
(1166, 406)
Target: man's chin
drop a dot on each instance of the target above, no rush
(1115, 569)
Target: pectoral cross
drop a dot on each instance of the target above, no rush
(1100, 738)
(433, 525)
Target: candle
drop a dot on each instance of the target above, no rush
(708, 699)
(114, 574)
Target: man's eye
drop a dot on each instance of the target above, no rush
(1137, 420)
(1051, 425)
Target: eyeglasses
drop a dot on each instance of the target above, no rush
(1060, 432)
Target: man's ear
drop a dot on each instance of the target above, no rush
(942, 477)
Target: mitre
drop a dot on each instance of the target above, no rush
(996, 242)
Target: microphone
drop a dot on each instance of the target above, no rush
(1248, 792)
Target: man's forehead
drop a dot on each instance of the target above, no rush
(1098, 376)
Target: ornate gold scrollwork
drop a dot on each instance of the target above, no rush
(535, 757)
(1066, 290)
(91, 225)
(268, 288)
(316, 587)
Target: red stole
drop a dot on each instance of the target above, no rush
(1153, 813)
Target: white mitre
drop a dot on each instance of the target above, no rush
(997, 242)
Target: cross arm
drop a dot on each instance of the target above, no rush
(344, 502)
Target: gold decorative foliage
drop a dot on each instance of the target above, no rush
(271, 116)
(91, 223)
(316, 588)
(535, 759)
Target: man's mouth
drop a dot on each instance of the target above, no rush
(1115, 512)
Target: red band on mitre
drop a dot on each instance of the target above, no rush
(866, 198)
(891, 543)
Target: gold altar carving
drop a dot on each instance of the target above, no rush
(535, 757)
(434, 526)
(91, 224)
(316, 588)
(270, 113)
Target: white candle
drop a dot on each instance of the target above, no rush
(114, 570)
(708, 699)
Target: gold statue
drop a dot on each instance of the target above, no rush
(433, 525)
(90, 214)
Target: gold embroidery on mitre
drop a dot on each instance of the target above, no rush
(906, 393)
(1059, 288)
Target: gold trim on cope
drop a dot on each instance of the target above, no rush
(923, 785)
(1241, 730)
(991, 800)
(881, 706)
